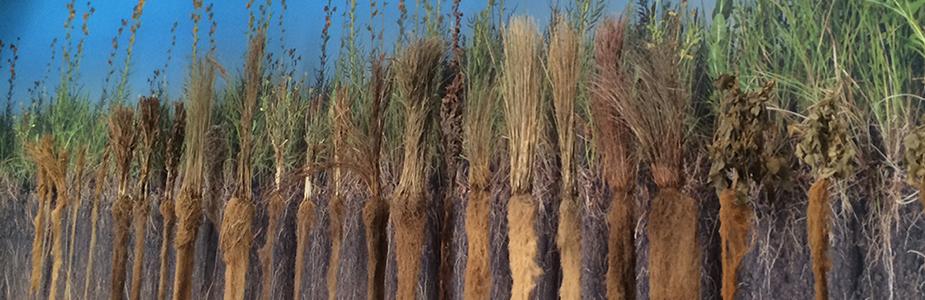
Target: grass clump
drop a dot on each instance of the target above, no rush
(563, 69)
(614, 141)
(739, 162)
(149, 123)
(122, 139)
(521, 89)
(237, 220)
(172, 153)
(478, 127)
(416, 80)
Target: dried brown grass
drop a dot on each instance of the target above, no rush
(173, 151)
(817, 226)
(149, 123)
(57, 171)
(614, 142)
(416, 78)
(376, 209)
(657, 115)
(188, 209)
(563, 68)
(521, 88)
(237, 221)
(122, 139)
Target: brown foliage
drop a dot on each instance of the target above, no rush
(674, 255)
(149, 123)
(735, 220)
(817, 225)
(122, 140)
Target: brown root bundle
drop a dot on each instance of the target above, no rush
(376, 219)
(94, 220)
(409, 219)
(735, 222)
(275, 207)
(235, 242)
(817, 224)
(174, 149)
(38, 223)
(189, 216)
(568, 240)
(305, 219)
(674, 255)
(122, 140)
(621, 248)
(521, 217)
(121, 218)
(478, 270)
(55, 164)
(915, 160)
(564, 70)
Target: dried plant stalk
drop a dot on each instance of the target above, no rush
(416, 70)
(521, 83)
(614, 142)
(564, 70)
(101, 176)
(174, 149)
(188, 209)
(149, 121)
(122, 142)
(237, 222)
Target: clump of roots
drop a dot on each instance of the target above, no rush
(915, 159)
(235, 243)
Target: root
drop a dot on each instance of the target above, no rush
(735, 222)
(621, 248)
(38, 223)
(235, 242)
(140, 215)
(409, 220)
(57, 248)
(817, 224)
(189, 217)
(168, 216)
(275, 210)
(121, 216)
(306, 219)
(568, 240)
(523, 250)
(478, 271)
(336, 231)
(674, 255)
(375, 218)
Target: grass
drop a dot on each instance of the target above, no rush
(521, 89)
(627, 95)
